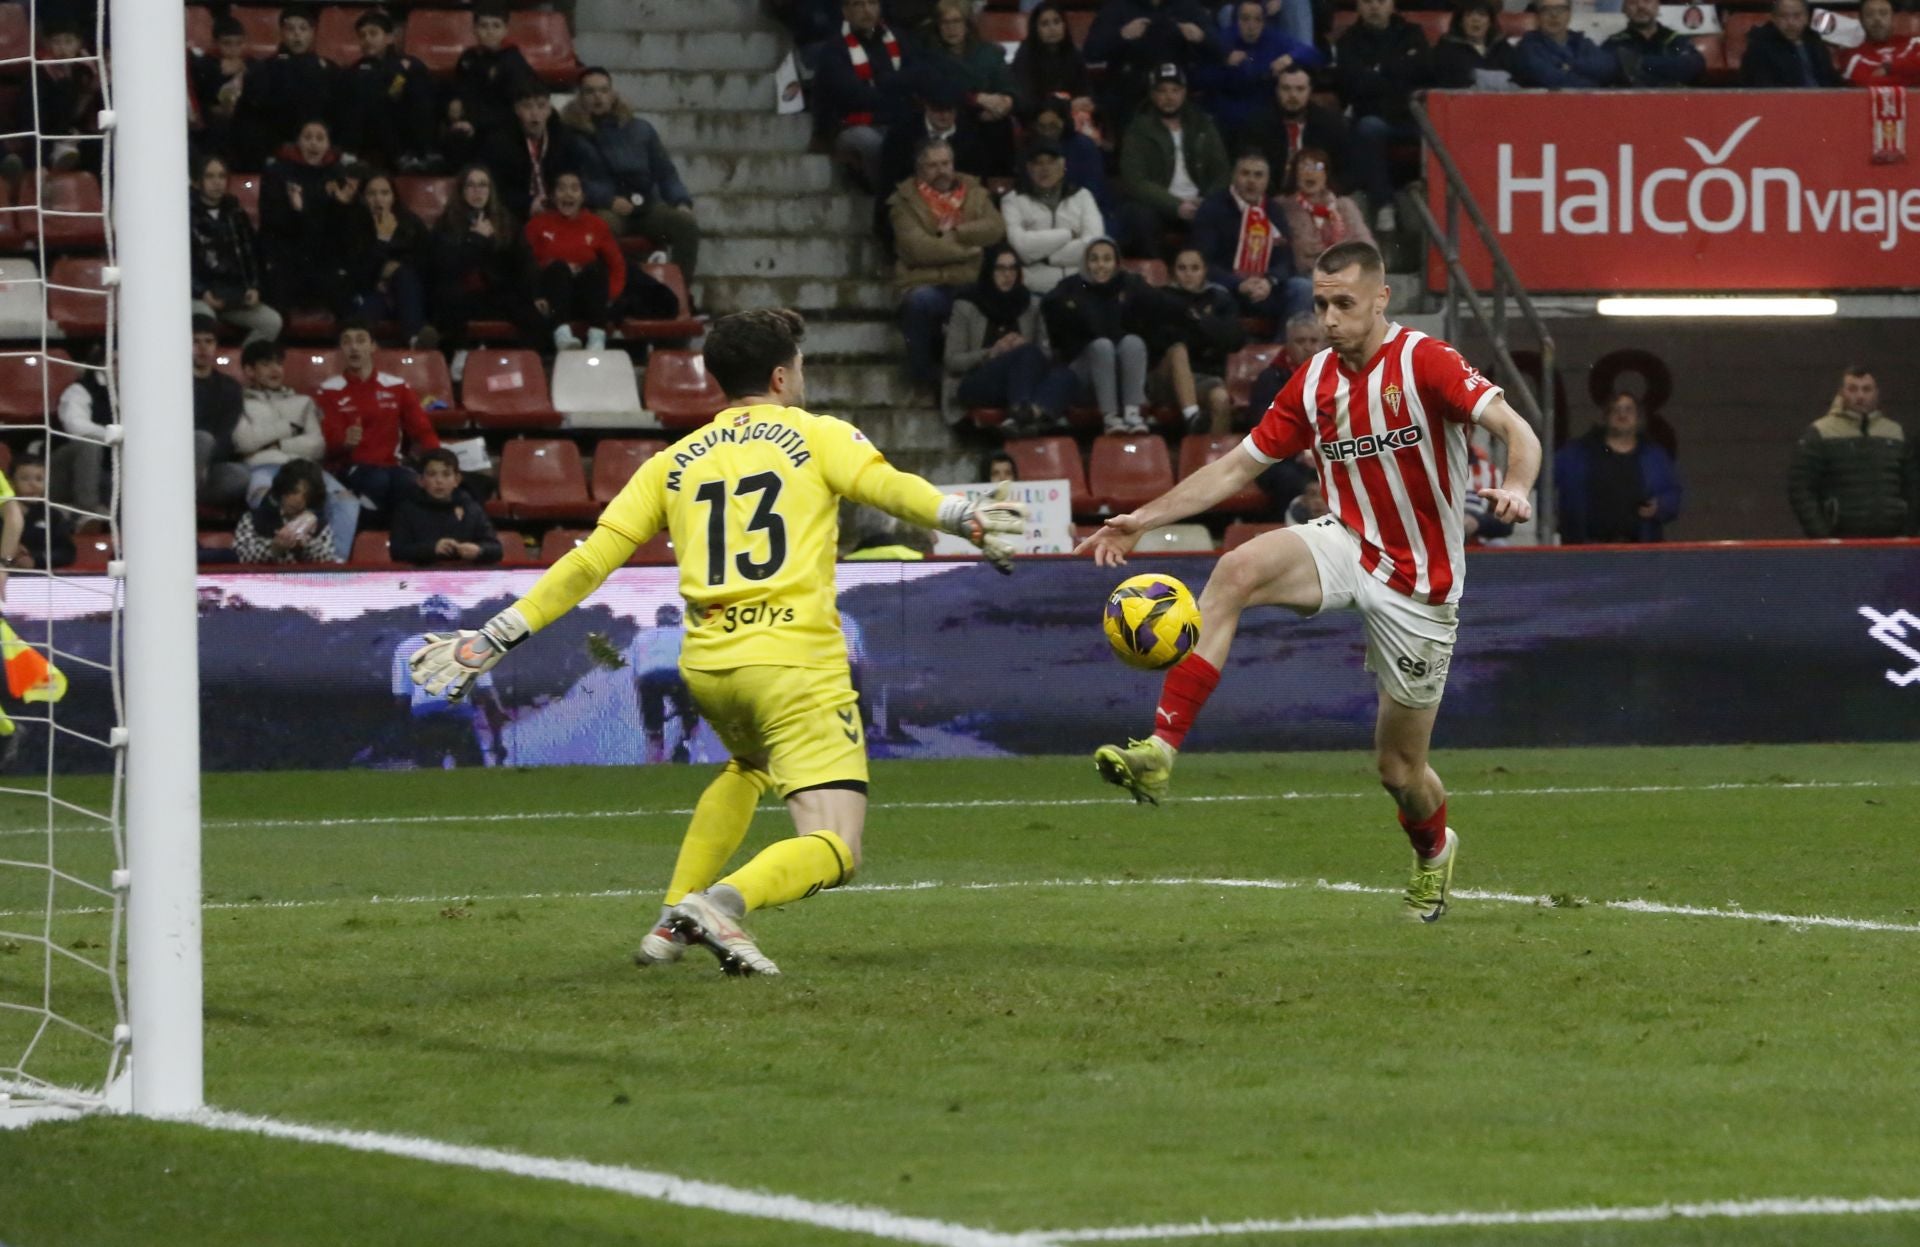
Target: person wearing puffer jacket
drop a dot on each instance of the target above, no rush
(277, 426)
(996, 353)
(226, 278)
(1050, 221)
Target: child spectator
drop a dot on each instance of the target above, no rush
(370, 418)
(441, 523)
(218, 476)
(1094, 321)
(529, 156)
(277, 426)
(385, 263)
(226, 256)
(217, 81)
(579, 271)
(482, 267)
(292, 87)
(1048, 66)
(996, 348)
(1202, 329)
(487, 79)
(386, 108)
(47, 539)
(285, 527)
(999, 466)
(68, 98)
(304, 198)
(1315, 217)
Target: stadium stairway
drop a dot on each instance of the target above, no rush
(781, 226)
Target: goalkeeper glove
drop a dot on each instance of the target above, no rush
(451, 661)
(987, 523)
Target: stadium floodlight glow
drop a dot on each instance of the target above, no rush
(1718, 305)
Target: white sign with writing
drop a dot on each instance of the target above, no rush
(1049, 517)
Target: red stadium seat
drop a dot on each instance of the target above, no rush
(371, 550)
(1432, 22)
(1197, 450)
(30, 385)
(76, 192)
(513, 548)
(543, 38)
(987, 417)
(1126, 472)
(18, 224)
(425, 197)
(1240, 532)
(1906, 25)
(92, 552)
(559, 542)
(426, 373)
(308, 366)
(616, 460)
(228, 361)
(75, 298)
(310, 324)
(438, 37)
(217, 539)
(1713, 50)
(245, 187)
(507, 390)
(335, 39)
(1153, 272)
(1737, 27)
(542, 479)
(679, 392)
(1003, 27)
(1243, 368)
(1053, 459)
(263, 29)
(677, 329)
(199, 30)
(654, 552)
(1513, 25)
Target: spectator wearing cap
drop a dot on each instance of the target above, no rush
(1786, 53)
(1378, 65)
(1292, 122)
(1048, 66)
(1559, 57)
(226, 276)
(293, 86)
(1086, 163)
(631, 180)
(1473, 54)
(857, 87)
(938, 116)
(979, 68)
(217, 80)
(1883, 59)
(386, 112)
(528, 157)
(1050, 221)
(487, 79)
(1255, 53)
(220, 480)
(1315, 217)
(1171, 158)
(943, 221)
(1242, 233)
(1134, 38)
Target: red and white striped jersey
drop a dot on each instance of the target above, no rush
(1391, 441)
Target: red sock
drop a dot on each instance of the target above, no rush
(1187, 688)
(1429, 835)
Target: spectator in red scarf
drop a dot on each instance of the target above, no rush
(855, 83)
(1242, 234)
(580, 268)
(1316, 218)
(1884, 59)
(943, 222)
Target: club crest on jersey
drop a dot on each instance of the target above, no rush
(1392, 395)
(1370, 445)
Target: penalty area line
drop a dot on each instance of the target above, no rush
(1377, 1221)
(646, 1184)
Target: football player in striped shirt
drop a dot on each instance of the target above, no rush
(1386, 411)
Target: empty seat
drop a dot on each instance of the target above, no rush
(371, 550)
(1175, 539)
(245, 187)
(1001, 27)
(199, 30)
(426, 373)
(543, 38)
(1126, 472)
(1197, 450)
(30, 385)
(71, 215)
(438, 37)
(16, 38)
(425, 197)
(616, 460)
(542, 479)
(559, 541)
(22, 306)
(1432, 22)
(308, 366)
(76, 300)
(679, 392)
(92, 552)
(513, 548)
(1154, 272)
(334, 37)
(674, 329)
(596, 389)
(1243, 368)
(263, 29)
(1053, 459)
(651, 553)
(1240, 532)
(506, 390)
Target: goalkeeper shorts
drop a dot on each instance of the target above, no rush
(805, 721)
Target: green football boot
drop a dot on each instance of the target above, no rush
(1426, 898)
(1142, 768)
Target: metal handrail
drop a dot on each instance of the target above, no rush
(1537, 407)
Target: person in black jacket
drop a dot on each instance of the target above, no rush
(527, 156)
(386, 108)
(440, 522)
(859, 88)
(1134, 37)
(482, 267)
(217, 81)
(1295, 122)
(304, 198)
(47, 540)
(1048, 66)
(225, 258)
(1096, 324)
(384, 263)
(487, 79)
(1379, 63)
(217, 404)
(1200, 323)
(290, 88)
(1652, 55)
(1785, 53)
(1473, 52)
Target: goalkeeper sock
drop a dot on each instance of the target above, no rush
(719, 824)
(792, 870)
(1429, 835)
(1186, 689)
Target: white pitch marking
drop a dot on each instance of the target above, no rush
(1376, 1221)
(641, 1183)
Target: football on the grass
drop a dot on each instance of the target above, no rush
(1151, 621)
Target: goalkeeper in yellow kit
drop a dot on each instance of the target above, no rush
(752, 503)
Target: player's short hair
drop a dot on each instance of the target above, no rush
(743, 349)
(260, 350)
(1344, 255)
(440, 455)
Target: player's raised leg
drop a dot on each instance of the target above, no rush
(1402, 736)
(719, 824)
(1274, 569)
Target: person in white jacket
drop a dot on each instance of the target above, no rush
(277, 426)
(1049, 221)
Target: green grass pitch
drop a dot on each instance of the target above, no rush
(1076, 1040)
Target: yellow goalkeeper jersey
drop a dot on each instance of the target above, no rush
(752, 504)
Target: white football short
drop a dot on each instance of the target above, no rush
(1409, 643)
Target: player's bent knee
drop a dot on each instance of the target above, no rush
(1398, 772)
(1233, 581)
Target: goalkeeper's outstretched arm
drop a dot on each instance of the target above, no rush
(988, 522)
